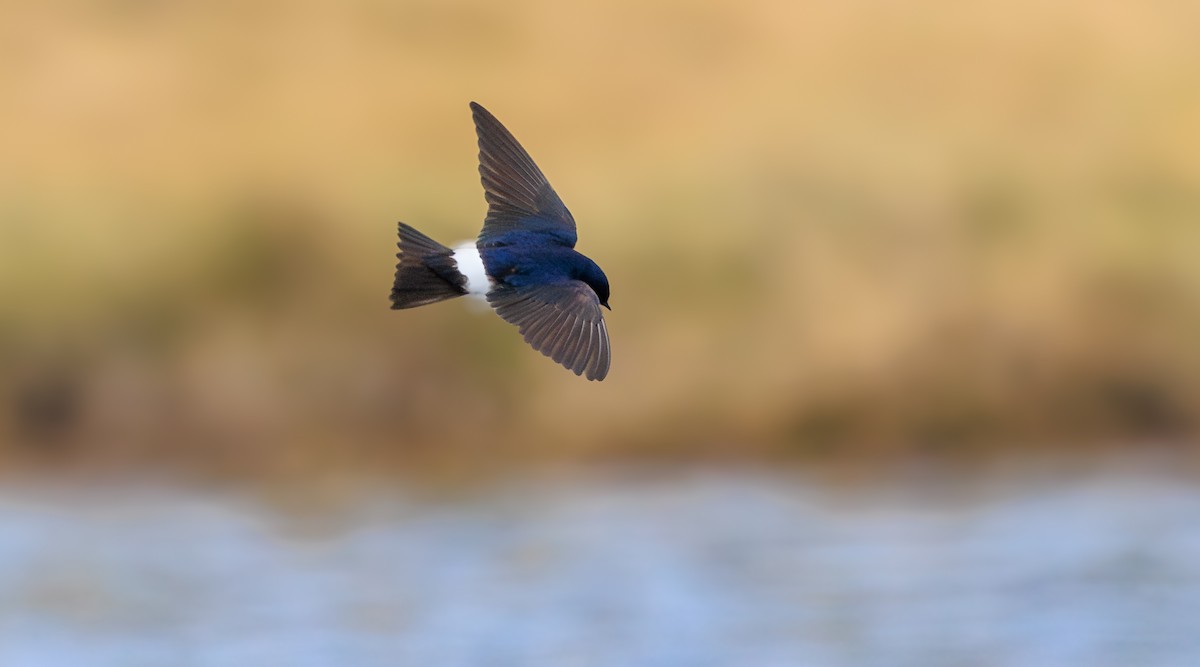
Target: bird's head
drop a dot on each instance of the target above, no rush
(595, 278)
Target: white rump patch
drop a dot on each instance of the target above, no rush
(470, 264)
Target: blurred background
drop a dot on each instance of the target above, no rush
(905, 308)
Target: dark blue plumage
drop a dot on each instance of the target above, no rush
(524, 260)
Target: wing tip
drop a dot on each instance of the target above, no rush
(479, 112)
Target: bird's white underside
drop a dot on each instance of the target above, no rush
(470, 264)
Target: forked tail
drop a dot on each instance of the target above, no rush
(426, 272)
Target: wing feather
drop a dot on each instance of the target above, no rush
(520, 199)
(561, 320)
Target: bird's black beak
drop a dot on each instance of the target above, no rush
(605, 304)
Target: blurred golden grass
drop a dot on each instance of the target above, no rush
(833, 229)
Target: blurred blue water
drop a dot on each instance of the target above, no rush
(700, 571)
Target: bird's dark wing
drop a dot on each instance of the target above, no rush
(562, 321)
(520, 199)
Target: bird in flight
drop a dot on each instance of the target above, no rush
(524, 262)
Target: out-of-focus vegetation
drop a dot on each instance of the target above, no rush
(833, 229)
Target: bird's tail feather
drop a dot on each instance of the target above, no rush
(426, 272)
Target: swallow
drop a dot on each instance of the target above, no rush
(524, 262)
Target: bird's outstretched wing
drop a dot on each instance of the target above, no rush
(520, 199)
(562, 321)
